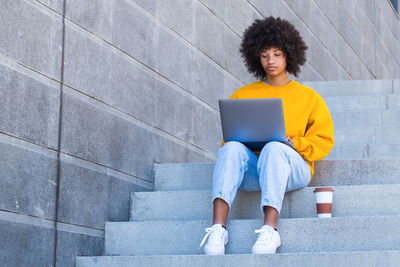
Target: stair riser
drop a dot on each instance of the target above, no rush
(198, 176)
(364, 151)
(197, 205)
(367, 135)
(363, 103)
(372, 118)
(297, 235)
(365, 259)
(354, 87)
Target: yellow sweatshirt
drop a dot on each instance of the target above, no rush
(307, 118)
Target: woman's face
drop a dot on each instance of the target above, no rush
(273, 61)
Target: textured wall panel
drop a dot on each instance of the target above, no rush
(31, 34)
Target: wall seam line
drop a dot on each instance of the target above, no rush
(109, 106)
(376, 32)
(141, 63)
(58, 177)
(220, 19)
(183, 38)
(340, 34)
(326, 49)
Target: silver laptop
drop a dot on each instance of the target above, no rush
(253, 121)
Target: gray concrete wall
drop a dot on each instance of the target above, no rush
(93, 95)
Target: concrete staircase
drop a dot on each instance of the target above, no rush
(166, 226)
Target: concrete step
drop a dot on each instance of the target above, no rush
(363, 103)
(198, 176)
(361, 200)
(355, 87)
(297, 235)
(367, 135)
(364, 151)
(367, 118)
(388, 258)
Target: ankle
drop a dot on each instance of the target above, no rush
(273, 226)
(222, 224)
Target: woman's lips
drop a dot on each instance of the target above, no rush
(272, 68)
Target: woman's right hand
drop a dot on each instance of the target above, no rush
(290, 140)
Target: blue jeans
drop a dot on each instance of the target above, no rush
(276, 170)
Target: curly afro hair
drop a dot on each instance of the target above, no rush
(272, 32)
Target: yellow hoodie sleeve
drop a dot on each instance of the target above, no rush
(318, 139)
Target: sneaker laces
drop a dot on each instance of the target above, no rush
(264, 234)
(209, 231)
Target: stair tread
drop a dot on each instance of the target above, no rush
(192, 176)
(297, 235)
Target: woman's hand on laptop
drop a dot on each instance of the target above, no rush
(290, 140)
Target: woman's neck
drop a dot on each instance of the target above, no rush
(277, 81)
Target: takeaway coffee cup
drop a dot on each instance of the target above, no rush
(323, 199)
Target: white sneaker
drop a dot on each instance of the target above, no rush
(217, 239)
(267, 242)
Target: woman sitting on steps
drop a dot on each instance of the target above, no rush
(271, 48)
